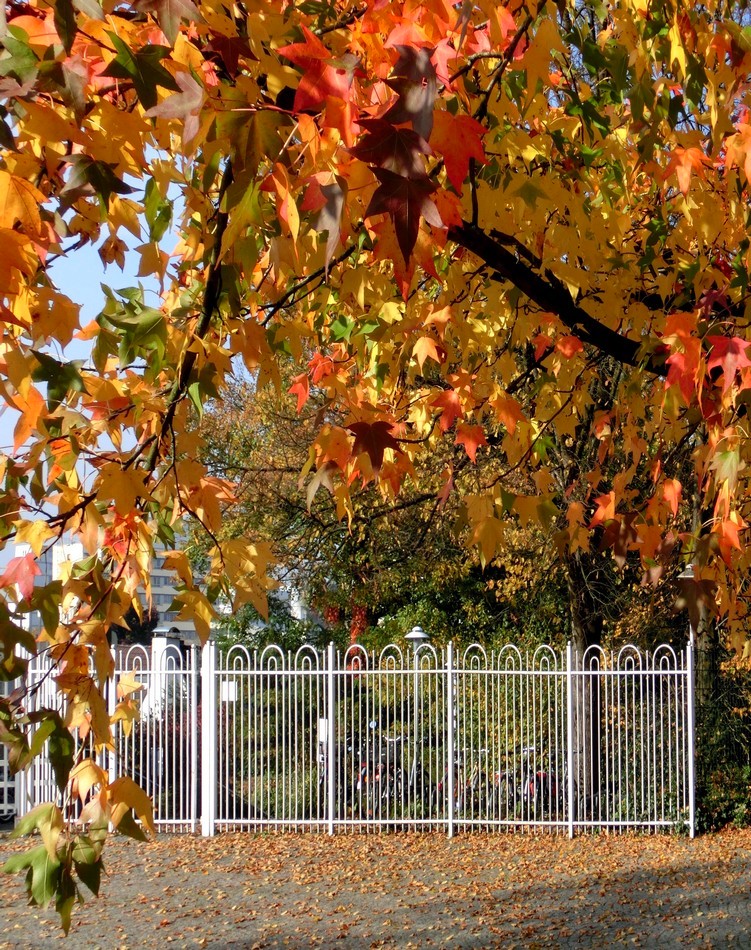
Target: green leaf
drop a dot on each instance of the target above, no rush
(43, 874)
(45, 878)
(20, 60)
(65, 23)
(143, 68)
(341, 329)
(157, 211)
(60, 751)
(130, 827)
(88, 177)
(90, 874)
(61, 378)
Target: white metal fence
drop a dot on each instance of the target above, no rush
(409, 739)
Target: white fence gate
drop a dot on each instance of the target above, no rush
(409, 739)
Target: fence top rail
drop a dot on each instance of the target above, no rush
(475, 658)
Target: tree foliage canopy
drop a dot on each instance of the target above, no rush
(518, 231)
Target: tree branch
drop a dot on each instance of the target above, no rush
(550, 293)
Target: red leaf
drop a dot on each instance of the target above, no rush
(398, 150)
(414, 81)
(319, 79)
(373, 439)
(729, 353)
(20, 573)
(684, 367)
(458, 138)
(405, 200)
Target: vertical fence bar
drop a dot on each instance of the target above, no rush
(690, 684)
(209, 770)
(111, 704)
(450, 737)
(193, 674)
(570, 736)
(330, 757)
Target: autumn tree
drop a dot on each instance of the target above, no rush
(457, 219)
(399, 563)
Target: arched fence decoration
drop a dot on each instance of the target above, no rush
(417, 738)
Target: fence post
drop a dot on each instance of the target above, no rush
(193, 681)
(690, 686)
(570, 735)
(331, 736)
(450, 739)
(208, 739)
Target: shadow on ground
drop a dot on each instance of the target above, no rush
(264, 891)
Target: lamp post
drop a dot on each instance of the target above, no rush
(689, 575)
(417, 637)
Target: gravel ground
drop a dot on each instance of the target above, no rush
(373, 891)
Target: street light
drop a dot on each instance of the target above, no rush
(687, 574)
(417, 637)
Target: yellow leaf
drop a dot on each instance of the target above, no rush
(34, 533)
(85, 776)
(19, 203)
(125, 794)
(122, 486)
(195, 606)
(426, 348)
(127, 685)
(178, 562)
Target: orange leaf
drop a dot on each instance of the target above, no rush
(451, 408)
(671, 492)
(471, 437)
(459, 139)
(569, 346)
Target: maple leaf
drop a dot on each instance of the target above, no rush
(398, 150)
(471, 437)
(405, 200)
(301, 388)
(728, 354)
(373, 438)
(684, 367)
(19, 203)
(427, 348)
(321, 78)
(20, 572)
(569, 346)
(451, 408)
(458, 138)
(671, 492)
(509, 412)
(328, 200)
(184, 105)
(286, 208)
(685, 161)
(169, 14)
(144, 68)
(414, 81)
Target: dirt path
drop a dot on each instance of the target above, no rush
(263, 891)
